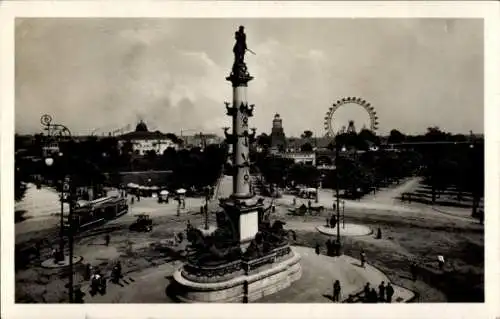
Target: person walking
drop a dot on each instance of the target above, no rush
(373, 296)
(88, 272)
(414, 270)
(336, 291)
(317, 249)
(389, 292)
(329, 247)
(381, 292)
(363, 258)
(38, 249)
(366, 292)
(379, 233)
(79, 294)
(333, 221)
(107, 239)
(441, 262)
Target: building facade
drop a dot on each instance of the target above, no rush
(308, 158)
(143, 141)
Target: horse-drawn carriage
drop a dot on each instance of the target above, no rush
(302, 210)
(142, 224)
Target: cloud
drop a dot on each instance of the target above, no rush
(107, 73)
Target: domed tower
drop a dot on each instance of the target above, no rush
(141, 127)
(278, 139)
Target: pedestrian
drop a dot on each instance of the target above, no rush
(132, 200)
(373, 296)
(381, 292)
(107, 238)
(379, 233)
(329, 247)
(317, 249)
(38, 249)
(336, 291)
(363, 258)
(55, 255)
(441, 262)
(88, 272)
(366, 292)
(294, 201)
(79, 295)
(273, 208)
(337, 248)
(413, 270)
(389, 292)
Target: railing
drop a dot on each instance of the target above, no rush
(208, 273)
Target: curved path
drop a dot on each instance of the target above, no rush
(315, 285)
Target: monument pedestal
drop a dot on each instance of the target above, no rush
(246, 258)
(243, 214)
(247, 281)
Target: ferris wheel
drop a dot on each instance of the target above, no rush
(350, 100)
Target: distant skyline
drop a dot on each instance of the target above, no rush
(106, 73)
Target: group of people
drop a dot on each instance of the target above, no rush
(385, 293)
(97, 280)
(370, 295)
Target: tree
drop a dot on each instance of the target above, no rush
(307, 134)
(396, 137)
(273, 168)
(368, 136)
(19, 186)
(306, 147)
(263, 140)
(304, 174)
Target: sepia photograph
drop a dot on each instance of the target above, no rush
(164, 160)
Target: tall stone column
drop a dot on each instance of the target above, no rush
(242, 208)
(240, 138)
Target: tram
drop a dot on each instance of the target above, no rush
(96, 212)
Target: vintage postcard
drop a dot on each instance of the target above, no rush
(296, 156)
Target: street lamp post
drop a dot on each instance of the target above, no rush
(60, 132)
(68, 185)
(337, 191)
(207, 195)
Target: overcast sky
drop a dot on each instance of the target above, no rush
(107, 73)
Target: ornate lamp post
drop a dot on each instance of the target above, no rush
(60, 132)
(207, 197)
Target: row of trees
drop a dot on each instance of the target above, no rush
(98, 162)
(458, 164)
(366, 138)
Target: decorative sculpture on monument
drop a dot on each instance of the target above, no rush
(240, 47)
